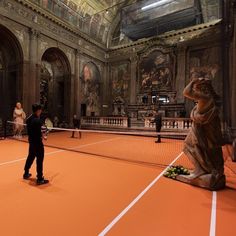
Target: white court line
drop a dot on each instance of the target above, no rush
(213, 214)
(108, 228)
(22, 159)
(50, 153)
(89, 144)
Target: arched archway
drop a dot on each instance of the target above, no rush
(11, 57)
(55, 83)
(91, 79)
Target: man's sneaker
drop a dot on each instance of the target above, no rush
(42, 181)
(157, 141)
(27, 176)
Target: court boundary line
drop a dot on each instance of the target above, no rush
(213, 214)
(125, 210)
(58, 151)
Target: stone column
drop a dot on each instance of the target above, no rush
(106, 91)
(181, 73)
(232, 89)
(25, 87)
(133, 73)
(33, 70)
(77, 85)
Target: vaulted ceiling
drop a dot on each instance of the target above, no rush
(106, 20)
(107, 8)
(94, 17)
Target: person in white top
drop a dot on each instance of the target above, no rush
(18, 117)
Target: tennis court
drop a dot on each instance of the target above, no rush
(110, 184)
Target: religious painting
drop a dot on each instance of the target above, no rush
(156, 71)
(121, 82)
(91, 88)
(207, 61)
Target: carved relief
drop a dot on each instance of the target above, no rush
(43, 45)
(20, 35)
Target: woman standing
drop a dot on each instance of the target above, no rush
(18, 117)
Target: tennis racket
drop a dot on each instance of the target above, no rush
(48, 127)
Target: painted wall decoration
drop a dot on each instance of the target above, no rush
(205, 62)
(121, 82)
(156, 71)
(91, 89)
(209, 62)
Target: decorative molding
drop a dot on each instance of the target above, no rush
(155, 47)
(46, 14)
(174, 36)
(20, 12)
(134, 59)
(34, 34)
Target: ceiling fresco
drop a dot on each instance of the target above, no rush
(106, 20)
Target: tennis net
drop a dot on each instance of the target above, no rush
(135, 147)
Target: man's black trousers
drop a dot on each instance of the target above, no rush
(35, 150)
(158, 129)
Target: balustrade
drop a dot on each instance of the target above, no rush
(105, 121)
(170, 123)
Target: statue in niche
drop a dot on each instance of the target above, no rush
(118, 107)
(204, 141)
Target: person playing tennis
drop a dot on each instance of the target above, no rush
(36, 147)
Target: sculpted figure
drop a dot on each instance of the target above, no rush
(204, 141)
(18, 117)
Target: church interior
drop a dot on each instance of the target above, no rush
(109, 59)
(114, 65)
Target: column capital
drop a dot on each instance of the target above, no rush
(34, 33)
(181, 48)
(134, 59)
(77, 52)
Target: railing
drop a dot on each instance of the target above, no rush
(171, 123)
(177, 124)
(105, 121)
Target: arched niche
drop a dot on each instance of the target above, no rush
(90, 90)
(11, 58)
(55, 80)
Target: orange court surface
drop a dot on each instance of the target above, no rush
(91, 194)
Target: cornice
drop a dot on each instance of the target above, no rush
(168, 35)
(47, 14)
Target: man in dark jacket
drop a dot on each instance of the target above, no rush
(158, 122)
(76, 124)
(36, 147)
